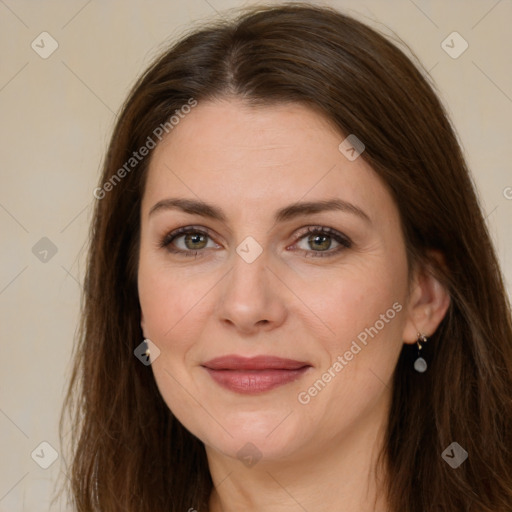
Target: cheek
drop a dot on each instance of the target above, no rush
(364, 309)
(167, 298)
(170, 305)
(358, 300)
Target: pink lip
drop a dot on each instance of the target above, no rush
(254, 374)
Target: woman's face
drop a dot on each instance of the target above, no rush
(308, 325)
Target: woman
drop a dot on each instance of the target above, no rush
(292, 301)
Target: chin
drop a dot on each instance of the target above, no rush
(266, 436)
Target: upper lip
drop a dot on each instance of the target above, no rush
(234, 362)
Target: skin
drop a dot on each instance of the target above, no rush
(250, 162)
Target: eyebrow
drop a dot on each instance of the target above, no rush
(292, 211)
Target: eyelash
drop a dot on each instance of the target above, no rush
(344, 241)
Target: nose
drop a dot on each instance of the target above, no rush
(252, 298)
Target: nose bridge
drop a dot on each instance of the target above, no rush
(250, 295)
(249, 273)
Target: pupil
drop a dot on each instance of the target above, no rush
(194, 238)
(320, 237)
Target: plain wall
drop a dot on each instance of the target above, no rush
(57, 115)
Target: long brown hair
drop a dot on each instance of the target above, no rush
(128, 451)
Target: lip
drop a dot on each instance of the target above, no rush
(234, 362)
(250, 375)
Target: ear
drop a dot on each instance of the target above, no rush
(428, 302)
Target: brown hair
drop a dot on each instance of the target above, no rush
(129, 452)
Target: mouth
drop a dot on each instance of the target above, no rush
(255, 374)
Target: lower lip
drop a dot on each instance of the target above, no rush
(255, 381)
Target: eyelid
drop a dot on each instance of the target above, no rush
(323, 229)
(168, 238)
(343, 240)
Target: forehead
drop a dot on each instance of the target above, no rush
(231, 153)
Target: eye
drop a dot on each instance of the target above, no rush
(320, 239)
(188, 241)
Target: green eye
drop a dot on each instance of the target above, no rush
(193, 240)
(319, 241)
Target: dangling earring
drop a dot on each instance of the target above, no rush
(147, 352)
(420, 365)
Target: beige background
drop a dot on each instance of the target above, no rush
(57, 114)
